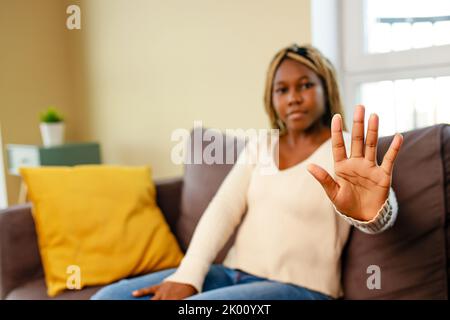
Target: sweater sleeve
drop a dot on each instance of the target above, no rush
(217, 223)
(384, 219)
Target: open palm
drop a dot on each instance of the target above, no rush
(361, 186)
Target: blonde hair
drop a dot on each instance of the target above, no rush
(316, 61)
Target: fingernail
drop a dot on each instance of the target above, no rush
(337, 122)
(374, 116)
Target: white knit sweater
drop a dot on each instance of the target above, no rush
(290, 230)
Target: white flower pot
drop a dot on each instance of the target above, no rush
(52, 133)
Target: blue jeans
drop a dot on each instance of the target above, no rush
(221, 283)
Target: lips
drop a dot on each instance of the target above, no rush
(296, 115)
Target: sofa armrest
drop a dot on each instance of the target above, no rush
(20, 261)
(168, 198)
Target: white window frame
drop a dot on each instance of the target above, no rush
(326, 35)
(325, 29)
(360, 67)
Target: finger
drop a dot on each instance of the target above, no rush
(327, 182)
(358, 133)
(337, 139)
(372, 138)
(145, 291)
(391, 154)
(157, 296)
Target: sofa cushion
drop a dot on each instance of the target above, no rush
(37, 290)
(412, 255)
(446, 158)
(201, 182)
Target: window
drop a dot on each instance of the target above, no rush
(407, 103)
(406, 24)
(396, 61)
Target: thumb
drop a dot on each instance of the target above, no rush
(329, 185)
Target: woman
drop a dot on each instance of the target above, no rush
(290, 241)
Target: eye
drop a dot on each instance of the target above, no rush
(306, 85)
(281, 90)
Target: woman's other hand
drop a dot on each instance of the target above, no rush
(167, 290)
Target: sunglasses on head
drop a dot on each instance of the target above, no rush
(301, 51)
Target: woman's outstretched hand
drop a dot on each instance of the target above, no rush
(361, 186)
(167, 290)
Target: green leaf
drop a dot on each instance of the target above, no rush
(51, 116)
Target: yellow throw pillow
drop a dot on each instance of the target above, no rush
(97, 224)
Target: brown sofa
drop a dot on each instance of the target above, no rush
(413, 256)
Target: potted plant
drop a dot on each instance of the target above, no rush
(52, 127)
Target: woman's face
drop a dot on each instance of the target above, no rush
(298, 95)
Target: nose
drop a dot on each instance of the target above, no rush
(294, 97)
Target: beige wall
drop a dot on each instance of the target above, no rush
(35, 71)
(138, 70)
(155, 66)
